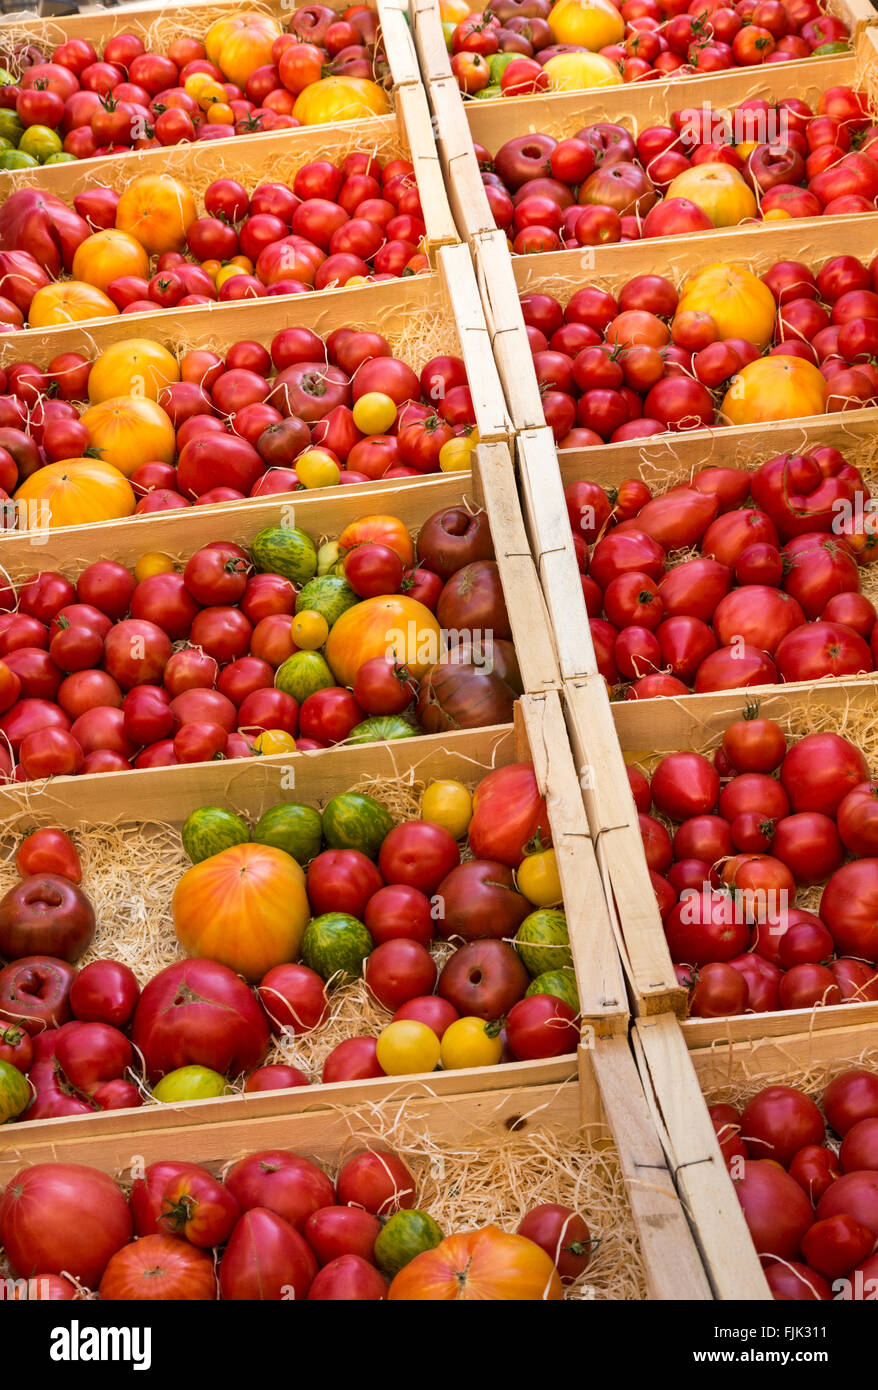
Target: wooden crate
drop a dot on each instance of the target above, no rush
(604, 1112)
(649, 729)
(636, 106)
(681, 1080)
(680, 1114)
(408, 131)
(561, 273)
(249, 787)
(420, 315)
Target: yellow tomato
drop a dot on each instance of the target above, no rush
(539, 880)
(151, 564)
(775, 215)
(456, 455)
(133, 367)
(591, 24)
(469, 1042)
(196, 82)
(453, 11)
(357, 280)
(746, 148)
(315, 468)
(374, 413)
(309, 630)
(219, 113)
(571, 72)
(228, 272)
(274, 741)
(406, 1046)
(448, 804)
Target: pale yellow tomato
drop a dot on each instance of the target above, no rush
(538, 879)
(406, 1047)
(196, 82)
(456, 455)
(315, 468)
(151, 564)
(274, 741)
(470, 1042)
(309, 630)
(448, 804)
(374, 413)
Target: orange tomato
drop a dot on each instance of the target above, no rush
(152, 563)
(69, 301)
(718, 190)
(245, 907)
(130, 430)
(453, 11)
(489, 1265)
(245, 46)
(736, 299)
(381, 626)
(158, 210)
(107, 256)
(220, 114)
(77, 492)
(775, 388)
(382, 530)
(134, 367)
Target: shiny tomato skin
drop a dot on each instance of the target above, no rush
(419, 854)
(776, 1209)
(48, 851)
(707, 927)
(159, 1267)
(342, 880)
(779, 1121)
(564, 1236)
(335, 1231)
(685, 785)
(796, 1282)
(836, 1244)
(754, 745)
(197, 1207)
(815, 1168)
(721, 991)
(541, 1026)
(330, 714)
(851, 1096)
(809, 844)
(398, 971)
(105, 991)
(848, 907)
(355, 1059)
(399, 911)
(377, 1181)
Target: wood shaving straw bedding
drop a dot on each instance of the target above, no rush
(744, 1079)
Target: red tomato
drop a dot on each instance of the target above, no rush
(105, 991)
(754, 745)
(57, 1217)
(419, 854)
(721, 990)
(541, 1026)
(282, 1182)
(294, 998)
(437, 1013)
(807, 987)
(196, 1206)
(778, 1122)
(707, 927)
(851, 1096)
(776, 1209)
(348, 1279)
(399, 911)
(685, 785)
(159, 1268)
(854, 1194)
(727, 1126)
(376, 1180)
(335, 1231)
(398, 971)
(147, 1192)
(355, 1059)
(815, 1168)
(212, 577)
(48, 852)
(848, 907)
(265, 1258)
(835, 1245)
(703, 837)
(330, 714)
(564, 1236)
(342, 880)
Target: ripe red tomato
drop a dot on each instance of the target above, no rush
(541, 1025)
(721, 990)
(48, 852)
(376, 1180)
(355, 1059)
(776, 1209)
(685, 785)
(851, 1096)
(854, 1194)
(265, 1258)
(564, 1236)
(335, 1231)
(281, 1182)
(436, 1012)
(105, 991)
(294, 998)
(342, 880)
(330, 714)
(159, 1268)
(835, 1245)
(197, 1207)
(778, 1122)
(398, 971)
(63, 1216)
(399, 911)
(815, 1168)
(419, 854)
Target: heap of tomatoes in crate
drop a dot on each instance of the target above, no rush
(750, 829)
(806, 1175)
(772, 594)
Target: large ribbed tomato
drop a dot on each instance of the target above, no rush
(158, 1269)
(63, 1217)
(245, 907)
(340, 99)
(76, 492)
(487, 1265)
(774, 388)
(129, 431)
(158, 211)
(739, 303)
(509, 813)
(380, 627)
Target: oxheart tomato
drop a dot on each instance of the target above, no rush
(509, 814)
(776, 1209)
(684, 785)
(198, 1012)
(159, 1268)
(281, 1182)
(57, 1217)
(266, 1259)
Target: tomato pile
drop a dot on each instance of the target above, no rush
(337, 224)
(138, 430)
(273, 648)
(513, 49)
(728, 348)
(248, 75)
(773, 595)
(271, 921)
(282, 1228)
(749, 830)
(807, 1179)
(606, 185)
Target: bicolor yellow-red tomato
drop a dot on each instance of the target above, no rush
(718, 190)
(134, 367)
(739, 303)
(69, 301)
(240, 45)
(158, 211)
(340, 99)
(575, 72)
(76, 492)
(390, 625)
(775, 388)
(109, 255)
(488, 1265)
(245, 907)
(591, 24)
(130, 430)
(379, 530)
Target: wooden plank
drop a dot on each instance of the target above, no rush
(673, 1266)
(603, 1002)
(459, 281)
(398, 43)
(705, 1188)
(430, 40)
(470, 205)
(552, 545)
(414, 113)
(497, 288)
(760, 1060)
(531, 628)
(612, 818)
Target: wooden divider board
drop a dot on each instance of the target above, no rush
(693, 1153)
(552, 545)
(612, 819)
(499, 292)
(650, 728)
(761, 1060)
(454, 141)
